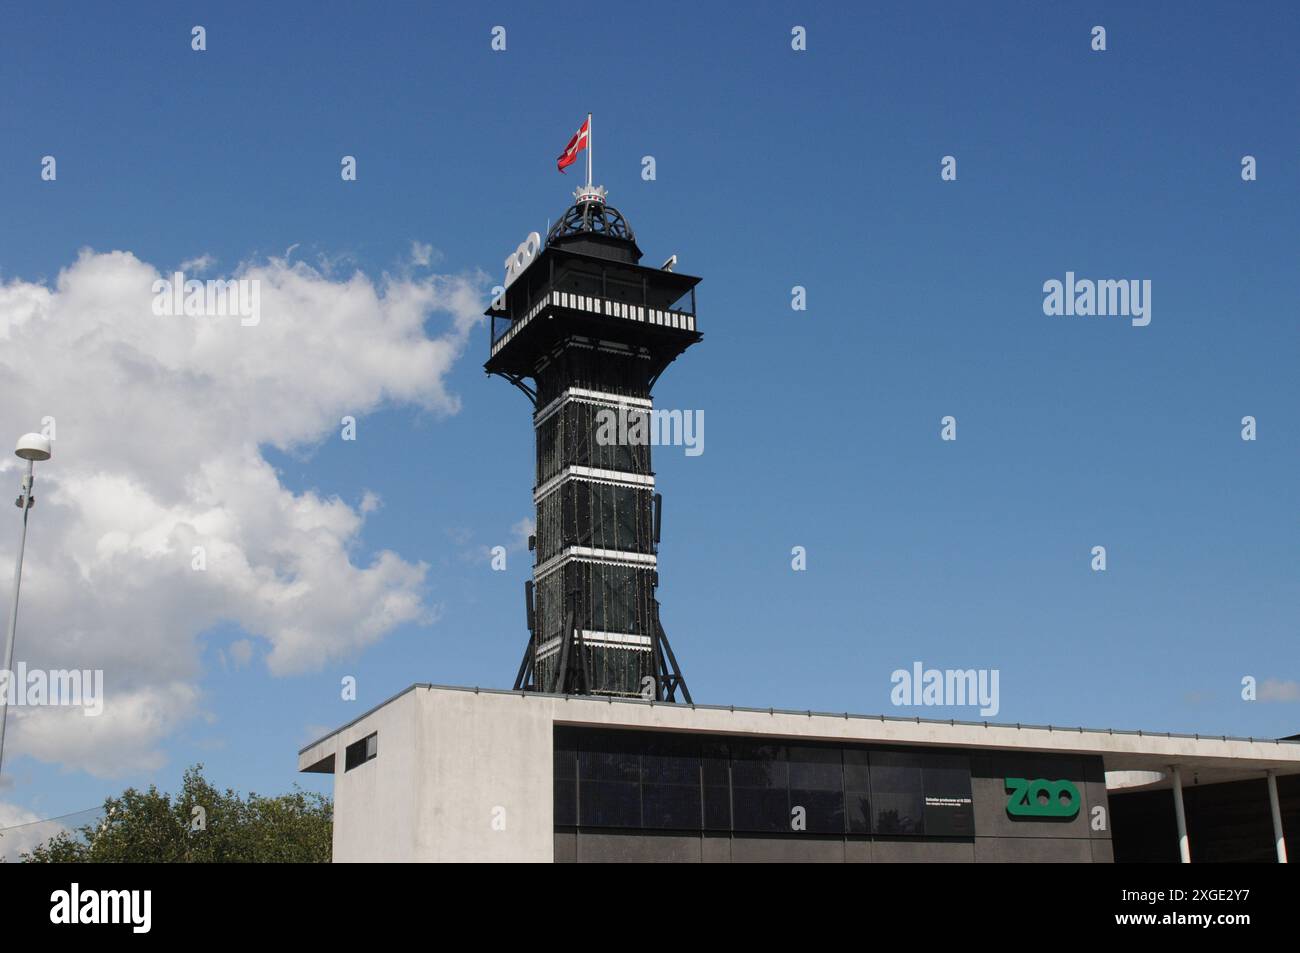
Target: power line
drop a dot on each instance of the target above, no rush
(47, 820)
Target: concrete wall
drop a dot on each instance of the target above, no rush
(458, 777)
(487, 762)
(1001, 837)
(387, 788)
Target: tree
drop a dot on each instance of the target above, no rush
(202, 825)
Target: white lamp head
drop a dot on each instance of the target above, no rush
(33, 446)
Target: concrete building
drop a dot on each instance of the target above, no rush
(462, 774)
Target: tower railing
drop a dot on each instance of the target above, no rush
(505, 327)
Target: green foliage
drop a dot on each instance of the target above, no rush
(151, 827)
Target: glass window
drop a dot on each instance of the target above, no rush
(715, 763)
(816, 769)
(857, 810)
(857, 791)
(671, 806)
(606, 757)
(566, 777)
(609, 780)
(856, 774)
(609, 804)
(670, 783)
(715, 774)
(765, 810)
(717, 808)
(897, 793)
(666, 781)
(899, 813)
(359, 752)
(670, 761)
(817, 786)
(823, 811)
(760, 779)
(755, 765)
(949, 810)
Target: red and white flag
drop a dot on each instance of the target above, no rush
(580, 140)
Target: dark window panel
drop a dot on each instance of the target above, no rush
(759, 766)
(608, 766)
(671, 806)
(717, 808)
(949, 811)
(566, 803)
(948, 819)
(670, 763)
(816, 769)
(896, 773)
(609, 804)
(857, 808)
(681, 782)
(565, 756)
(715, 763)
(765, 810)
(857, 777)
(604, 758)
(899, 813)
(823, 810)
(359, 752)
(946, 781)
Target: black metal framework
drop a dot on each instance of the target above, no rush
(593, 330)
(591, 217)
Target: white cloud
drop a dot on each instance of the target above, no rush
(1278, 690)
(520, 532)
(423, 254)
(198, 265)
(159, 424)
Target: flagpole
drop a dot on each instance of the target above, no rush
(588, 150)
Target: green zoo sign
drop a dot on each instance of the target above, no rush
(1042, 798)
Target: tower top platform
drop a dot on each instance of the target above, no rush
(566, 290)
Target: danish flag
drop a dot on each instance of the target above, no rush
(580, 141)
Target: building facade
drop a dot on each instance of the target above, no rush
(459, 774)
(592, 758)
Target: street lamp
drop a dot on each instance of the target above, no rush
(31, 447)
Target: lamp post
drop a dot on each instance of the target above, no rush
(31, 447)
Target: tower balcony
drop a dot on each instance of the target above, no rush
(674, 318)
(565, 293)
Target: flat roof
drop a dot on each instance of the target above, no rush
(1216, 757)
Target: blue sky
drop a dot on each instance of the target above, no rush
(774, 169)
